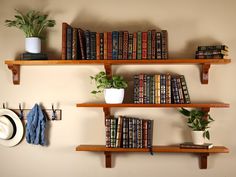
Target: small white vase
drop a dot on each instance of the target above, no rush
(197, 137)
(33, 45)
(114, 96)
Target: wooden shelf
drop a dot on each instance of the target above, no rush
(202, 153)
(14, 65)
(132, 105)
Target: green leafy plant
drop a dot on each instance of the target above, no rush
(198, 120)
(102, 82)
(32, 23)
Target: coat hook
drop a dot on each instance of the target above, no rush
(54, 115)
(3, 105)
(21, 112)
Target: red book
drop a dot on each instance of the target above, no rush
(125, 44)
(135, 45)
(109, 45)
(144, 45)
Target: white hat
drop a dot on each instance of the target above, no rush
(11, 128)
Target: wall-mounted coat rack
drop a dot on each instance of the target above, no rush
(50, 114)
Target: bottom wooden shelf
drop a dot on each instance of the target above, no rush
(202, 153)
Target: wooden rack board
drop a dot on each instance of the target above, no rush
(202, 153)
(14, 65)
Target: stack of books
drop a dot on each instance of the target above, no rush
(34, 56)
(160, 89)
(190, 145)
(212, 52)
(78, 44)
(128, 132)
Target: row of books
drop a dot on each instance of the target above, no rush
(88, 45)
(128, 132)
(212, 51)
(160, 89)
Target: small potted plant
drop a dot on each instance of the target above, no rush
(198, 121)
(33, 25)
(113, 87)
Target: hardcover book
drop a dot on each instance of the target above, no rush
(190, 145)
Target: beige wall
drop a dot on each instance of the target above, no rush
(189, 23)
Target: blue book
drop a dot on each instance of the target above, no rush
(115, 40)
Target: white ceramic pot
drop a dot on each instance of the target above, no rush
(114, 96)
(197, 137)
(33, 45)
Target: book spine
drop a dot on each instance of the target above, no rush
(130, 47)
(108, 132)
(147, 89)
(109, 45)
(149, 133)
(211, 52)
(168, 88)
(163, 88)
(69, 35)
(105, 45)
(93, 45)
(164, 51)
(88, 45)
(152, 89)
(119, 132)
(97, 45)
(185, 89)
(131, 132)
(149, 44)
(213, 47)
(139, 133)
(81, 43)
(158, 45)
(115, 39)
(125, 138)
(141, 88)
(144, 133)
(135, 45)
(139, 45)
(75, 44)
(158, 89)
(135, 135)
(64, 41)
(179, 86)
(125, 44)
(144, 91)
(136, 88)
(101, 46)
(120, 45)
(113, 132)
(153, 44)
(144, 45)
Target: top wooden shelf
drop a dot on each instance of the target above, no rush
(117, 62)
(14, 65)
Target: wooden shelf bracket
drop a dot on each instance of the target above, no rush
(203, 160)
(15, 73)
(204, 73)
(108, 69)
(107, 159)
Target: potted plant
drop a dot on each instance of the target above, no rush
(33, 25)
(113, 87)
(198, 121)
